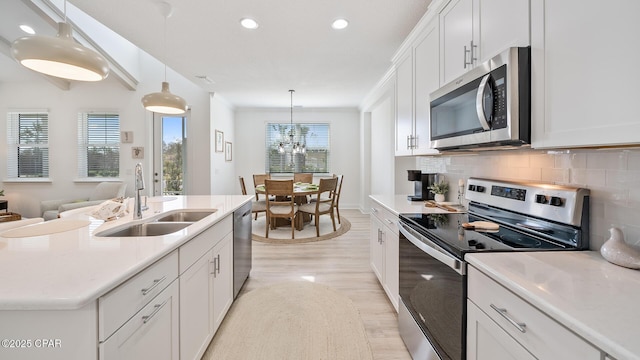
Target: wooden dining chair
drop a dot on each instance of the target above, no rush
(306, 178)
(323, 204)
(337, 196)
(280, 203)
(257, 206)
(258, 179)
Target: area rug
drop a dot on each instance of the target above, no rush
(294, 320)
(282, 234)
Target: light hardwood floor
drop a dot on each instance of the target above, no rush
(342, 263)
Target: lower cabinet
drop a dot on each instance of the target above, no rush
(501, 325)
(206, 290)
(488, 341)
(384, 251)
(150, 334)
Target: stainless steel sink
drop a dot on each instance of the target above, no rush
(186, 216)
(145, 229)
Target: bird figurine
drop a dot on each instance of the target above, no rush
(618, 252)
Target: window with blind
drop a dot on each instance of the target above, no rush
(98, 145)
(28, 144)
(314, 138)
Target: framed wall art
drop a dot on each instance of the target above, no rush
(227, 151)
(219, 141)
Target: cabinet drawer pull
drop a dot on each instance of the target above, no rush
(503, 312)
(390, 222)
(156, 282)
(374, 210)
(156, 308)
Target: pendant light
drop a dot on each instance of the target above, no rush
(60, 56)
(290, 144)
(164, 101)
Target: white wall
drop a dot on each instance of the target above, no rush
(222, 172)
(249, 154)
(63, 107)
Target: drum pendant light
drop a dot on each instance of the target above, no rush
(164, 101)
(60, 56)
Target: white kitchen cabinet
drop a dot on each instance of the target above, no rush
(503, 320)
(152, 333)
(417, 75)
(222, 256)
(473, 31)
(384, 251)
(404, 105)
(584, 69)
(206, 287)
(488, 341)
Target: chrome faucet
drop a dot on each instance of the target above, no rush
(137, 206)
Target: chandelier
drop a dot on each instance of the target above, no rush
(289, 143)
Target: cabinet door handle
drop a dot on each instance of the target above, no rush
(215, 266)
(218, 264)
(408, 142)
(156, 282)
(414, 143)
(503, 312)
(156, 308)
(472, 56)
(465, 57)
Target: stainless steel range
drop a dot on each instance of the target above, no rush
(502, 216)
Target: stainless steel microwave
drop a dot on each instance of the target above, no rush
(489, 106)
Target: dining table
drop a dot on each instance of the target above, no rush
(300, 193)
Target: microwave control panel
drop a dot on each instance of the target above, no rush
(499, 77)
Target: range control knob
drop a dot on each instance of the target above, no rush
(555, 201)
(480, 188)
(472, 188)
(541, 199)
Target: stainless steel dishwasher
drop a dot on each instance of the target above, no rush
(241, 247)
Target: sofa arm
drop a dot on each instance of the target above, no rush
(80, 204)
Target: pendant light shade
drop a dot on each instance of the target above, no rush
(60, 56)
(164, 102)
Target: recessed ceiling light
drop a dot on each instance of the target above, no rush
(248, 23)
(340, 24)
(28, 29)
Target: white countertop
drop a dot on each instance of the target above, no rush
(398, 204)
(595, 299)
(69, 269)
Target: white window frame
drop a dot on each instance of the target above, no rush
(14, 143)
(111, 140)
(272, 140)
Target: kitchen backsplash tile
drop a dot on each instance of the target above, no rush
(613, 176)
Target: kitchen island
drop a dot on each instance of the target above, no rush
(67, 294)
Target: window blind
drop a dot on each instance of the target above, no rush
(315, 138)
(99, 145)
(28, 144)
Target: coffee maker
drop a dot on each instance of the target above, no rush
(421, 185)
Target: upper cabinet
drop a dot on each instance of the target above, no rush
(417, 75)
(584, 73)
(473, 31)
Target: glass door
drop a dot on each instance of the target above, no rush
(169, 154)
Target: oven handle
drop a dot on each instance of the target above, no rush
(432, 249)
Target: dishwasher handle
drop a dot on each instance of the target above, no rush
(432, 249)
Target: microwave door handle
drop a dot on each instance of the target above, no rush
(480, 103)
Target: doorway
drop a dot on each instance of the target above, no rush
(169, 154)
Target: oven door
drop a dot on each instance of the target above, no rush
(433, 297)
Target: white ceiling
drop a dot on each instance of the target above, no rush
(294, 47)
